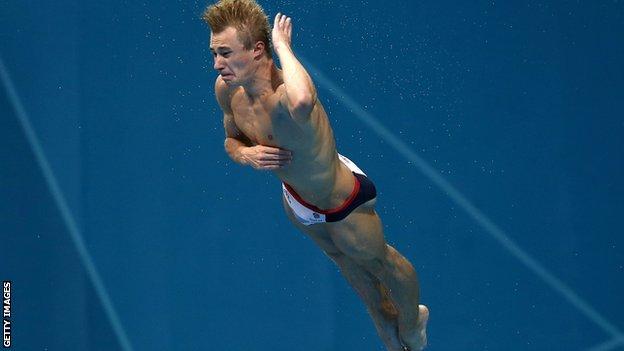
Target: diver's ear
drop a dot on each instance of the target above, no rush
(259, 49)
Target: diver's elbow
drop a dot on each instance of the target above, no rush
(303, 105)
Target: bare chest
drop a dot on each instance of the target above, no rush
(263, 123)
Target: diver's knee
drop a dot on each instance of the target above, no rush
(398, 265)
(387, 260)
(374, 266)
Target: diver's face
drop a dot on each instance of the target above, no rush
(233, 62)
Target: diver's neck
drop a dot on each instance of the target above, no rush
(264, 80)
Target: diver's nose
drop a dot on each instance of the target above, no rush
(218, 63)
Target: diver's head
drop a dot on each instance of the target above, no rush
(239, 38)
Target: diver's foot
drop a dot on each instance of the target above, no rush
(388, 332)
(418, 340)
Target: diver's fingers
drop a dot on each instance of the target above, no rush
(276, 20)
(276, 151)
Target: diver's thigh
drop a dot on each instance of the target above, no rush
(360, 235)
(318, 232)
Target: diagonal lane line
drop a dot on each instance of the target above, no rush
(68, 218)
(608, 345)
(446, 187)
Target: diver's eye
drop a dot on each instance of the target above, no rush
(226, 54)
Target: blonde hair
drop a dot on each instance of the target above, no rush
(247, 16)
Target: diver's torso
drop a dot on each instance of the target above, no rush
(315, 172)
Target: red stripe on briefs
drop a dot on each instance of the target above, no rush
(354, 192)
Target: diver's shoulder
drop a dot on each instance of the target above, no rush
(224, 94)
(224, 91)
(221, 86)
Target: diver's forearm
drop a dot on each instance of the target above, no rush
(233, 148)
(300, 89)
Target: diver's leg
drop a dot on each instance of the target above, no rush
(372, 293)
(375, 297)
(360, 237)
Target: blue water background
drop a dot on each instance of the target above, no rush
(519, 105)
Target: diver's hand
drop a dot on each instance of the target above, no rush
(282, 30)
(263, 157)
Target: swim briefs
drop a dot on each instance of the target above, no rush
(308, 214)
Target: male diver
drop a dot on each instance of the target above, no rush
(274, 121)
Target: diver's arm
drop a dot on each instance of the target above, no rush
(234, 146)
(300, 93)
(235, 140)
(238, 146)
